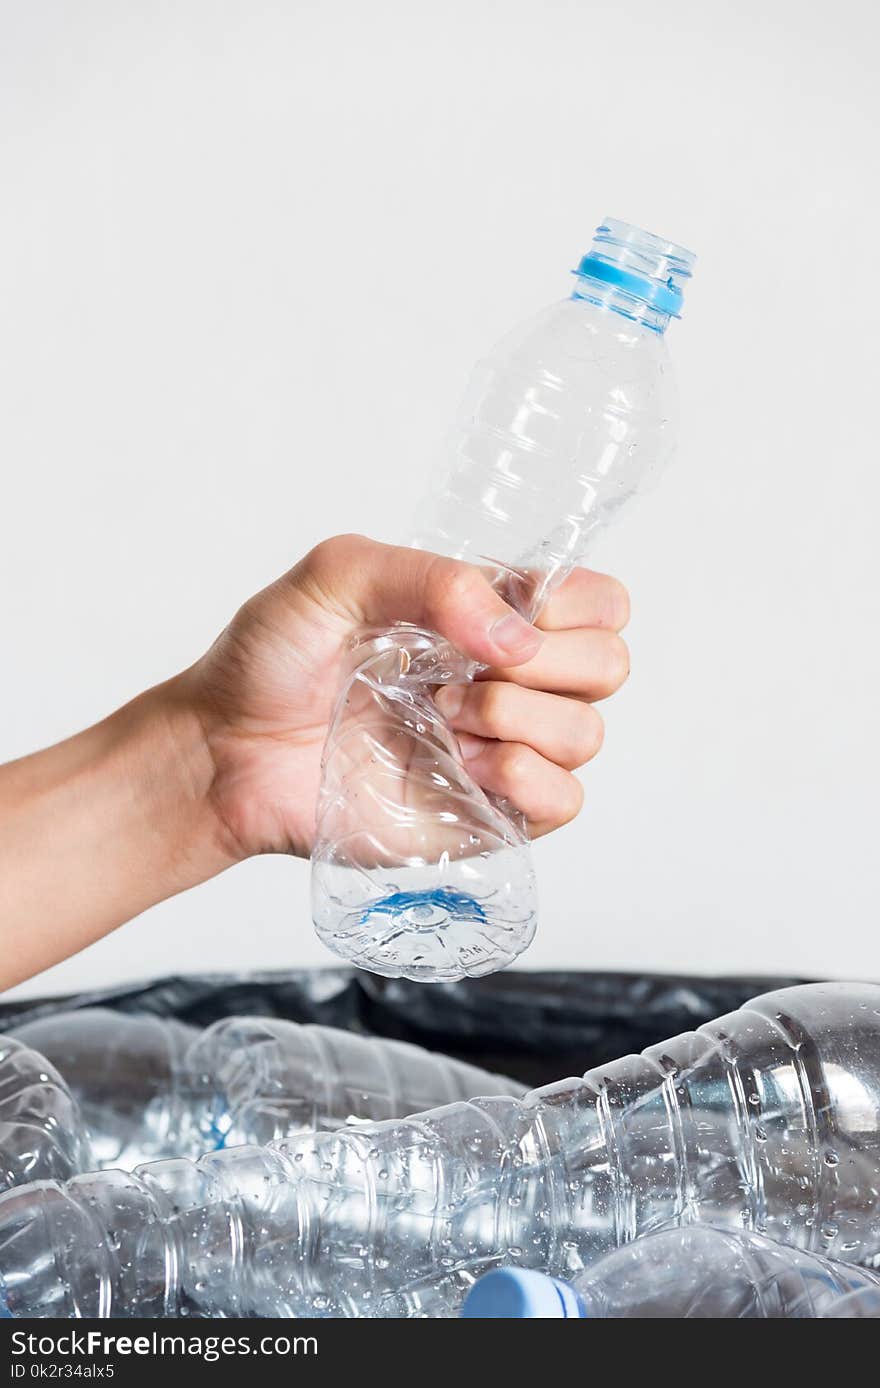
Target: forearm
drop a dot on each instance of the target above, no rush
(98, 828)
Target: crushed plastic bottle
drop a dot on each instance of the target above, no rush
(417, 872)
(766, 1119)
(695, 1272)
(152, 1087)
(41, 1130)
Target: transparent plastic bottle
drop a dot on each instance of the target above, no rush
(152, 1087)
(129, 1076)
(417, 872)
(695, 1272)
(265, 1078)
(767, 1119)
(41, 1130)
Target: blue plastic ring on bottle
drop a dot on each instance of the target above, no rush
(664, 297)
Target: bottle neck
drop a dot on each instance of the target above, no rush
(616, 299)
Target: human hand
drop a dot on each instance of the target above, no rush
(223, 761)
(265, 691)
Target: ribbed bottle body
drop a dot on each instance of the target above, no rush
(150, 1087)
(128, 1075)
(571, 415)
(42, 1135)
(272, 1077)
(94, 1246)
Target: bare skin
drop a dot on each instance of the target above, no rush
(222, 762)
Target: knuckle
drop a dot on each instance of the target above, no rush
(494, 700)
(516, 762)
(448, 586)
(253, 606)
(336, 552)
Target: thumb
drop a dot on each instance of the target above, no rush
(381, 584)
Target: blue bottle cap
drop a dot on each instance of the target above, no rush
(521, 1294)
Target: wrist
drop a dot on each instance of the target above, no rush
(161, 739)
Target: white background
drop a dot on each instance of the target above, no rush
(248, 254)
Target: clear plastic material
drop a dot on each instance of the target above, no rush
(152, 1087)
(128, 1074)
(767, 1119)
(861, 1305)
(41, 1130)
(696, 1272)
(417, 871)
(264, 1078)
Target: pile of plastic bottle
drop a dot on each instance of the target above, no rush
(299, 1171)
(264, 1168)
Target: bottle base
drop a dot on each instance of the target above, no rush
(431, 936)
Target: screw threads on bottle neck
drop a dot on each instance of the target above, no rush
(634, 273)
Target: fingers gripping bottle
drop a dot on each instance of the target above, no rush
(690, 1273)
(767, 1119)
(417, 871)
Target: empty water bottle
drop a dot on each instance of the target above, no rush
(41, 1130)
(767, 1119)
(683, 1273)
(417, 872)
(129, 1076)
(151, 1087)
(263, 1078)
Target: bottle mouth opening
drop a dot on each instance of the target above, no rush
(646, 267)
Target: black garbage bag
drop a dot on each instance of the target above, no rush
(537, 1027)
